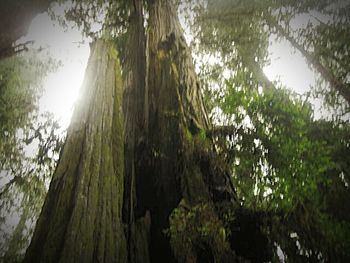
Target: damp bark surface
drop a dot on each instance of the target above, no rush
(81, 217)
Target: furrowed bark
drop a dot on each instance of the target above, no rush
(184, 174)
(136, 219)
(81, 217)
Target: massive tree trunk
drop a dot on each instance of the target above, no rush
(171, 169)
(81, 217)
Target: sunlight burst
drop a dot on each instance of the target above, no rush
(61, 87)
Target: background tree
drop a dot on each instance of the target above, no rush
(23, 131)
(275, 156)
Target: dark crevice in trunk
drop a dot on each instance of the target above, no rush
(182, 164)
(137, 172)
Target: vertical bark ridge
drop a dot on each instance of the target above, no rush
(82, 212)
(136, 177)
(177, 143)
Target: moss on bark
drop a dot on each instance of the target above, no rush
(181, 164)
(81, 217)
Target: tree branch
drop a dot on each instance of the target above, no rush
(14, 50)
(15, 180)
(326, 73)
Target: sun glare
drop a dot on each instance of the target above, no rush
(61, 87)
(290, 67)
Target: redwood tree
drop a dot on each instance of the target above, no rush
(171, 170)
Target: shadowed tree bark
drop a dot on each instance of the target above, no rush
(134, 68)
(177, 151)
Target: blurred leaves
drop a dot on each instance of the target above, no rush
(29, 146)
(284, 161)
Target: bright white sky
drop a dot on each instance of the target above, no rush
(291, 68)
(61, 88)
